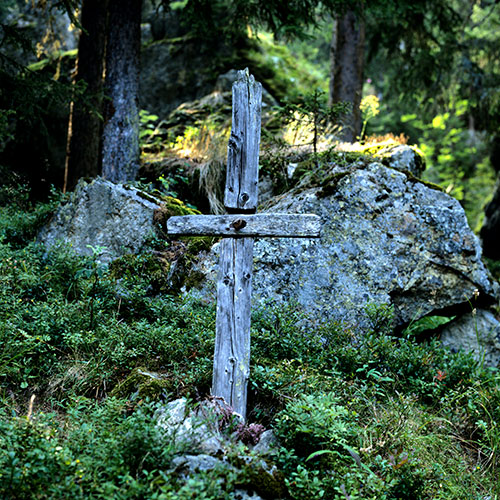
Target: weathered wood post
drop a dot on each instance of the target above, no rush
(238, 230)
(234, 284)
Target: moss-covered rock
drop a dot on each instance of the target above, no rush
(169, 207)
(261, 476)
(147, 266)
(184, 273)
(145, 384)
(327, 168)
(168, 269)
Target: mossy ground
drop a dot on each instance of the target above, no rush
(144, 384)
(357, 413)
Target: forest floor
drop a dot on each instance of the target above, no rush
(357, 414)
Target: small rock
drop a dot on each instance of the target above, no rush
(478, 333)
(404, 158)
(174, 414)
(245, 495)
(290, 170)
(198, 429)
(225, 81)
(266, 443)
(265, 189)
(196, 463)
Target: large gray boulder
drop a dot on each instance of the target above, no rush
(117, 218)
(387, 239)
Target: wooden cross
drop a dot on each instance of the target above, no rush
(238, 230)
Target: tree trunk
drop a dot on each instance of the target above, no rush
(85, 124)
(120, 154)
(333, 61)
(347, 53)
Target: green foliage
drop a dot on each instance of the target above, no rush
(312, 112)
(5, 131)
(494, 267)
(426, 324)
(33, 112)
(305, 484)
(315, 422)
(358, 414)
(456, 158)
(204, 16)
(108, 450)
(370, 107)
(321, 436)
(70, 323)
(427, 370)
(285, 73)
(417, 39)
(435, 66)
(20, 219)
(150, 130)
(278, 336)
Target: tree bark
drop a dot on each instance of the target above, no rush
(120, 153)
(85, 123)
(490, 232)
(347, 52)
(333, 62)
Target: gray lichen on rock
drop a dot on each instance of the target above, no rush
(478, 332)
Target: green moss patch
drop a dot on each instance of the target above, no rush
(144, 384)
(411, 178)
(170, 207)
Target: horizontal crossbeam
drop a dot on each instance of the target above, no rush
(250, 226)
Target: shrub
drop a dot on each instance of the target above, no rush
(316, 422)
(101, 450)
(20, 220)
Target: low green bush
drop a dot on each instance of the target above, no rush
(20, 219)
(101, 451)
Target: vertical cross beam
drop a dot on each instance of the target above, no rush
(234, 284)
(243, 149)
(232, 333)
